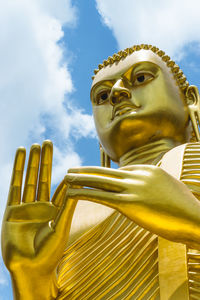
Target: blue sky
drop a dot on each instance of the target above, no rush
(48, 51)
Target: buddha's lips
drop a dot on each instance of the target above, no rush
(122, 109)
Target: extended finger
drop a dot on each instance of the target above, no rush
(59, 194)
(44, 186)
(110, 199)
(14, 195)
(101, 171)
(94, 181)
(32, 174)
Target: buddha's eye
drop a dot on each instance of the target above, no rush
(142, 78)
(102, 96)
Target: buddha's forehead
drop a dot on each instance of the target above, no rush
(118, 68)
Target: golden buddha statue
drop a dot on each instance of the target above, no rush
(138, 229)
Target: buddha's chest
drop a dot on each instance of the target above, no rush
(119, 260)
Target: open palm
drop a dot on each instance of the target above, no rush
(35, 229)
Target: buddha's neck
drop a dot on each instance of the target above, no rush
(148, 154)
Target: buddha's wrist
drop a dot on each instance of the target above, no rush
(30, 285)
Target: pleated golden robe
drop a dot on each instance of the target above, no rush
(117, 259)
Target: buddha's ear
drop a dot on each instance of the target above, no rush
(192, 95)
(193, 103)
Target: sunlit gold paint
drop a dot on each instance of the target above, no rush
(138, 229)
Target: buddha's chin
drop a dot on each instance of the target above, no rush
(126, 125)
(123, 138)
(130, 133)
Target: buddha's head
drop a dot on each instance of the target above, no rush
(140, 96)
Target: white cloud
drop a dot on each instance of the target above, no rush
(34, 76)
(63, 161)
(169, 25)
(34, 85)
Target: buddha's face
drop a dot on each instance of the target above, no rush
(137, 101)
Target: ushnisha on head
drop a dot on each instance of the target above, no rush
(140, 96)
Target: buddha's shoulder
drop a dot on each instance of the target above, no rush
(181, 157)
(179, 151)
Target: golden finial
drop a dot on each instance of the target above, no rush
(116, 57)
(170, 63)
(175, 69)
(110, 60)
(179, 74)
(154, 49)
(161, 53)
(124, 54)
(100, 66)
(130, 50)
(138, 47)
(165, 58)
(105, 63)
(147, 47)
(182, 79)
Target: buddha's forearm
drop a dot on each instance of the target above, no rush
(147, 195)
(178, 221)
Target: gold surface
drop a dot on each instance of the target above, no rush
(119, 261)
(141, 113)
(190, 176)
(173, 261)
(173, 271)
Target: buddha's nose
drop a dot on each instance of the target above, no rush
(119, 92)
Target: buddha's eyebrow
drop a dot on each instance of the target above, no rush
(141, 67)
(106, 83)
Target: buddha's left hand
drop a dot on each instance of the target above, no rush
(146, 194)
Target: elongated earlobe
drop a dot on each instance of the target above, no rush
(193, 103)
(105, 159)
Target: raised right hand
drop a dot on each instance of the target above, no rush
(35, 230)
